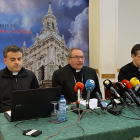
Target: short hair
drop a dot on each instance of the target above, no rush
(135, 49)
(11, 48)
(72, 49)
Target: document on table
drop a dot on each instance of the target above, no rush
(92, 103)
(9, 113)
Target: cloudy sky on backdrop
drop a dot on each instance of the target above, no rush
(72, 17)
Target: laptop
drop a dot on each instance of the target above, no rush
(32, 103)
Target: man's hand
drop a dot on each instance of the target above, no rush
(73, 103)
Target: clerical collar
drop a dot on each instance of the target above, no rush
(77, 70)
(15, 73)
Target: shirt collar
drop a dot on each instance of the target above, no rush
(15, 73)
(8, 73)
(76, 71)
(138, 69)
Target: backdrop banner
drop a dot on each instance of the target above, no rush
(45, 30)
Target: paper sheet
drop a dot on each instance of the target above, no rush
(9, 113)
(92, 103)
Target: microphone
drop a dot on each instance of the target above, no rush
(122, 89)
(78, 88)
(135, 83)
(129, 87)
(130, 96)
(109, 86)
(90, 84)
(100, 102)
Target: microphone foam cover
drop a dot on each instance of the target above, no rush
(107, 83)
(134, 81)
(90, 84)
(127, 84)
(121, 88)
(80, 86)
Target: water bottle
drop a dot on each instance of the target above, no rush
(62, 109)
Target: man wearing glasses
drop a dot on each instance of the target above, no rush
(72, 73)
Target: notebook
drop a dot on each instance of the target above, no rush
(32, 103)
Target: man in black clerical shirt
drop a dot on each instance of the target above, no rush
(72, 73)
(131, 69)
(14, 76)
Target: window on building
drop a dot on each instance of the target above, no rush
(48, 24)
(41, 73)
(53, 25)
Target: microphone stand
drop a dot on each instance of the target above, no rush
(87, 107)
(76, 109)
(127, 102)
(99, 105)
(114, 110)
(87, 101)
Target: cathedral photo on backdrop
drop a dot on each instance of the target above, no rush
(45, 30)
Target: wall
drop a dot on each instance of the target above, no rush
(103, 16)
(114, 27)
(128, 29)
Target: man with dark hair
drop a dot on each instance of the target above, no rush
(131, 69)
(14, 76)
(72, 73)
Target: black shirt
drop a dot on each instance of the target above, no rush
(25, 79)
(129, 71)
(79, 77)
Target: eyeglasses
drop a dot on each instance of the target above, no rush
(78, 57)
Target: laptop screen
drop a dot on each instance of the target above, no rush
(33, 103)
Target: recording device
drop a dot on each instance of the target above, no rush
(131, 92)
(32, 132)
(78, 88)
(109, 86)
(122, 89)
(135, 83)
(90, 84)
(100, 102)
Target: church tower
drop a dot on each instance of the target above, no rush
(49, 22)
(48, 53)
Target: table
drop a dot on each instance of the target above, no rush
(96, 127)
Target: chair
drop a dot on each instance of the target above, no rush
(108, 92)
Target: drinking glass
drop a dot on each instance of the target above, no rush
(54, 112)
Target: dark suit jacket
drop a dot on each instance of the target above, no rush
(64, 77)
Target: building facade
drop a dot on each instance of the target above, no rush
(48, 53)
